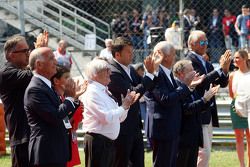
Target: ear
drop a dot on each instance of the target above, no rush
(55, 81)
(38, 64)
(117, 55)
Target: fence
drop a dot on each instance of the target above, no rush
(146, 21)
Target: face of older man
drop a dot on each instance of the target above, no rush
(20, 55)
(169, 59)
(187, 69)
(103, 76)
(200, 46)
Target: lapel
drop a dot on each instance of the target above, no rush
(195, 60)
(169, 84)
(44, 87)
(122, 71)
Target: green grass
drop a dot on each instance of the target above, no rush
(218, 159)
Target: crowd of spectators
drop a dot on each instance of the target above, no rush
(224, 31)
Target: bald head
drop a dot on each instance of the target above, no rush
(43, 62)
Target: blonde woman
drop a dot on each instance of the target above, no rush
(240, 124)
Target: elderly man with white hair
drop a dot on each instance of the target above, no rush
(197, 43)
(164, 103)
(102, 115)
(106, 53)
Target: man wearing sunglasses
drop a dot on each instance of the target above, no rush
(14, 78)
(197, 43)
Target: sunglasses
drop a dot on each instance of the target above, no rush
(203, 42)
(22, 51)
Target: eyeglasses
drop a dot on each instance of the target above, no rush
(26, 51)
(203, 42)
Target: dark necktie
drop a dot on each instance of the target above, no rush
(173, 80)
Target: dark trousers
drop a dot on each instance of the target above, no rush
(19, 155)
(165, 153)
(99, 150)
(187, 157)
(129, 150)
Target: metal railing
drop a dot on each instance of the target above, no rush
(61, 19)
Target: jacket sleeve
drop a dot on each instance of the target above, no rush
(39, 102)
(166, 97)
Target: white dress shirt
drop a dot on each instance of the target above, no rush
(102, 115)
(127, 70)
(167, 72)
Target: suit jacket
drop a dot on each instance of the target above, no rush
(164, 107)
(211, 76)
(49, 140)
(13, 82)
(191, 129)
(120, 83)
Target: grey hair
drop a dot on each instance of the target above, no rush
(180, 66)
(108, 40)
(164, 46)
(34, 56)
(194, 37)
(95, 66)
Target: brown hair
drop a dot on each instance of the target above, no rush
(119, 43)
(11, 43)
(244, 55)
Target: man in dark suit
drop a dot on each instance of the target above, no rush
(191, 131)
(215, 35)
(187, 24)
(14, 79)
(164, 103)
(197, 43)
(48, 145)
(129, 144)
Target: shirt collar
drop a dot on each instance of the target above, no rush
(198, 56)
(98, 85)
(166, 70)
(48, 82)
(125, 68)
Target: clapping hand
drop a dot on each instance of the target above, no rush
(211, 92)
(225, 61)
(197, 80)
(153, 61)
(149, 64)
(42, 40)
(157, 58)
(80, 88)
(130, 99)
